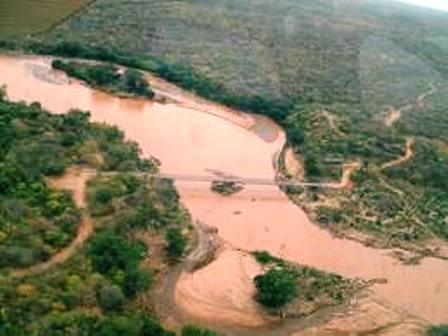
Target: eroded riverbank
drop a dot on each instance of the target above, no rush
(189, 141)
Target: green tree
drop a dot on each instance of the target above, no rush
(441, 330)
(110, 251)
(137, 84)
(103, 74)
(111, 298)
(276, 287)
(120, 326)
(175, 244)
(151, 327)
(67, 324)
(135, 281)
(192, 330)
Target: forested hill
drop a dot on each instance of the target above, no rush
(304, 49)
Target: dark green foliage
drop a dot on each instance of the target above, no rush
(67, 324)
(175, 244)
(98, 74)
(136, 281)
(119, 326)
(111, 251)
(300, 289)
(192, 330)
(438, 330)
(107, 76)
(276, 287)
(265, 258)
(151, 327)
(111, 298)
(102, 74)
(328, 216)
(78, 49)
(134, 82)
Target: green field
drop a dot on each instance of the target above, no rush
(18, 17)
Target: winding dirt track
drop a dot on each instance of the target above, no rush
(75, 181)
(395, 113)
(408, 154)
(332, 123)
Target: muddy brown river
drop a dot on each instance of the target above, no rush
(194, 137)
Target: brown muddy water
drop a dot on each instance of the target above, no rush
(195, 137)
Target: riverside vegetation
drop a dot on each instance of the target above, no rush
(96, 291)
(107, 77)
(296, 290)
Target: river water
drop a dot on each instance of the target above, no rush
(195, 137)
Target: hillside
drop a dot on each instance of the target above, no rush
(307, 49)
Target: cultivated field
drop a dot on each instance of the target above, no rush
(28, 16)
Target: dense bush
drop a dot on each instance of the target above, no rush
(438, 331)
(296, 289)
(112, 252)
(175, 244)
(111, 298)
(107, 76)
(276, 287)
(192, 330)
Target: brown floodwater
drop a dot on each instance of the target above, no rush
(195, 137)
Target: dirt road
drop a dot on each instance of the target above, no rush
(75, 181)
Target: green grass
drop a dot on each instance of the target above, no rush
(19, 17)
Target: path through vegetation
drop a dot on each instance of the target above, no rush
(408, 154)
(75, 180)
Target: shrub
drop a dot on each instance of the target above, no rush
(111, 298)
(151, 327)
(441, 330)
(110, 251)
(135, 281)
(192, 330)
(175, 244)
(276, 287)
(119, 326)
